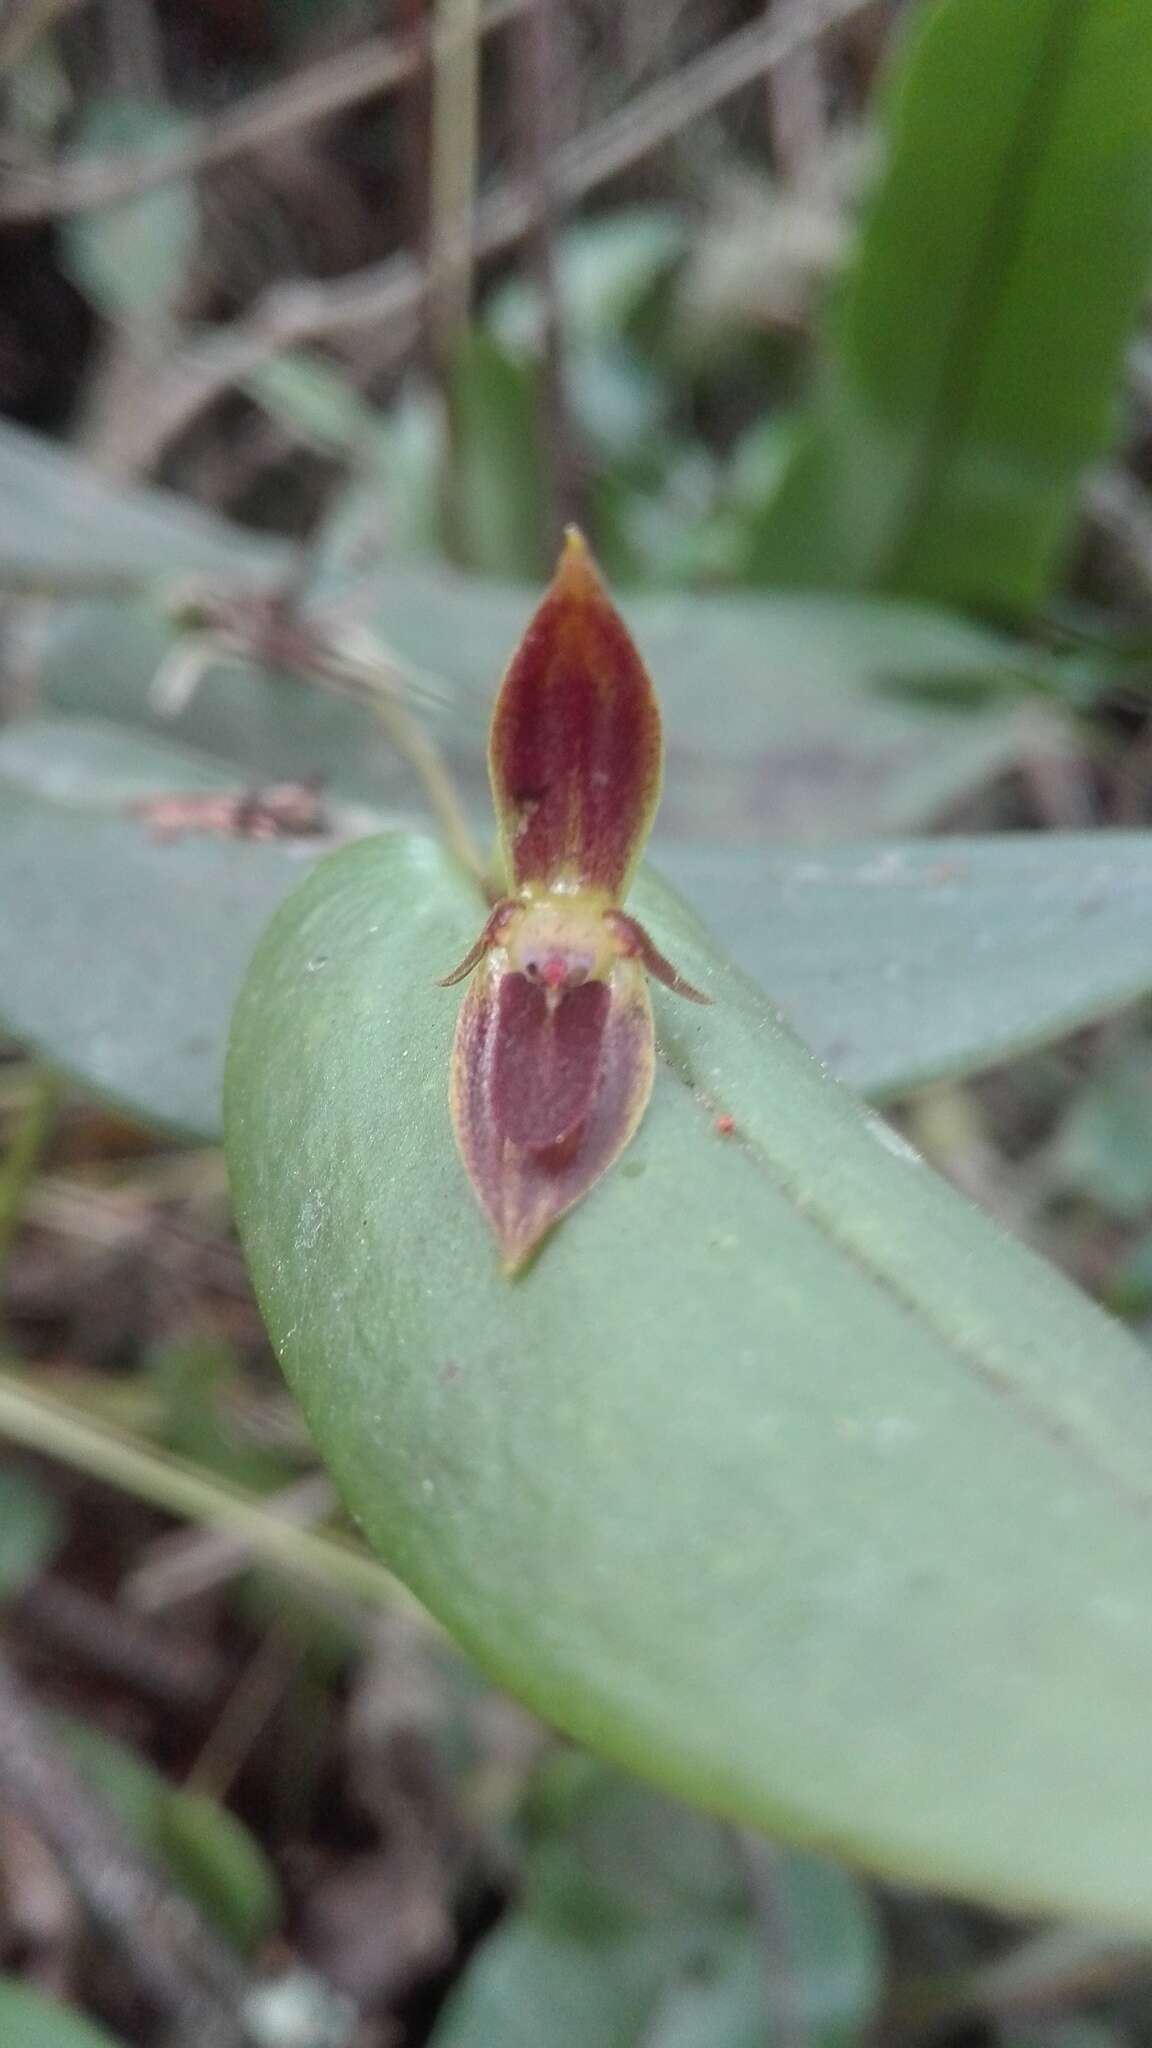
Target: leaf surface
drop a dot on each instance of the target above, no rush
(782, 1476)
(973, 353)
(899, 963)
(29, 2020)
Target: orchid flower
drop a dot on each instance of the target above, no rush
(554, 1054)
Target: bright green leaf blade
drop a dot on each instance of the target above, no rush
(973, 353)
(29, 2020)
(898, 963)
(782, 1476)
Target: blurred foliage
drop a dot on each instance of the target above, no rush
(30, 2021)
(636, 1924)
(207, 1851)
(822, 418)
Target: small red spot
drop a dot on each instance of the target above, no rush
(725, 1126)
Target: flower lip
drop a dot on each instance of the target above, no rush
(559, 970)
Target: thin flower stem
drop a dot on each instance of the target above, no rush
(372, 674)
(41, 1422)
(423, 756)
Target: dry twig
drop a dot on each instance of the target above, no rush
(371, 68)
(391, 295)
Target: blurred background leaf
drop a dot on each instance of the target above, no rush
(640, 1924)
(131, 259)
(972, 353)
(898, 963)
(204, 1848)
(30, 2020)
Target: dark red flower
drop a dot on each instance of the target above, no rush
(554, 1055)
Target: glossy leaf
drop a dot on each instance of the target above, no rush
(30, 2020)
(972, 355)
(782, 1475)
(899, 963)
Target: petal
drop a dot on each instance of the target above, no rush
(575, 749)
(523, 1189)
(634, 943)
(499, 919)
(547, 1059)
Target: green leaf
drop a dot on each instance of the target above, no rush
(638, 1928)
(29, 2020)
(782, 1476)
(607, 271)
(215, 1859)
(31, 1529)
(814, 738)
(972, 356)
(807, 746)
(131, 258)
(498, 489)
(1104, 1146)
(898, 963)
(121, 952)
(303, 393)
(205, 1849)
(59, 518)
(903, 963)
